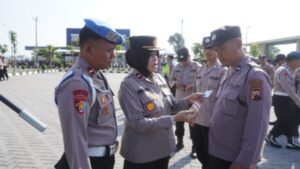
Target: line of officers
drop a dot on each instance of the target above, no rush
(228, 128)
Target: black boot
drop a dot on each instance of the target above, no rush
(292, 143)
(179, 144)
(272, 141)
(193, 153)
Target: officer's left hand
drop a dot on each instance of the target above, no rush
(237, 166)
(196, 97)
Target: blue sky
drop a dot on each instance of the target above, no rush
(261, 19)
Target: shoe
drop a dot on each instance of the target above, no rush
(193, 155)
(272, 123)
(273, 142)
(179, 146)
(293, 143)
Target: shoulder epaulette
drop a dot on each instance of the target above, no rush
(67, 76)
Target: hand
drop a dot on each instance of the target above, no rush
(196, 97)
(186, 116)
(237, 166)
(192, 124)
(189, 87)
(178, 85)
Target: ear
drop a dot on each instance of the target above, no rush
(88, 48)
(239, 43)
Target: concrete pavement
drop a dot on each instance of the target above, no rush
(23, 147)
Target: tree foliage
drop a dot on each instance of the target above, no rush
(272, 51)
(197, 49)
(255, 50)
(48, 53)
(177, 41)
(3, 48)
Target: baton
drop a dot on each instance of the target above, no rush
(29, 118)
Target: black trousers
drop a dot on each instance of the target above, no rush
(179, 131)
(201, 144)
(1, 74)
(217, 163)
(96, 162)
(158, 164)
(286, 123)
(5, 72)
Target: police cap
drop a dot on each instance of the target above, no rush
(144, 42)
(183, 54)
(293, 55)
(206, 42)
(222, 35)
(104, 30)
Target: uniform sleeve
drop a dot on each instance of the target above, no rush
(172, 79)
(287, 84)
(258, 98)
(73, 101)
(133, 110)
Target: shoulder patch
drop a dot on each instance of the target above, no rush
(80, 98)
(256, 87)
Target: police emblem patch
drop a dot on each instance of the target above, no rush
(256, 89)
(80, 101)
(112, 36)
(150, 106)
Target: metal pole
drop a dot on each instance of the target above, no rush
(182, 27)
(36, 42)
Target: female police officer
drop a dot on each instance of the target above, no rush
(146, 100)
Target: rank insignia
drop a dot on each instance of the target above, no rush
(80, 101)
(150, 106)
(139, 76)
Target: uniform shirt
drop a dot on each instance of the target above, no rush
(147, 105)
(284, 84)
(86, 111)
(1, 64)
(269, 69)
(240, 119)
(185, 75)
(208, 78)
(297, 81)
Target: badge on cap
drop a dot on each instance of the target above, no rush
(256, 89)
(213, 37)
(150, 106)
(80, 101)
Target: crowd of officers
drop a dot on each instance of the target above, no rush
(227, 129)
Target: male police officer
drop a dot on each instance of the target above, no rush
(183, 78)
(208, 78)
(268, 68)
(85, 102)
(240, 119)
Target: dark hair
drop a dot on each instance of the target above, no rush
(86, 34)
(138, 59)
(170, 56)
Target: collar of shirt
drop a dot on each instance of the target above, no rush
(139, 76)
(86, 68)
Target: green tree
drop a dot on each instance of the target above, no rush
(197, 49)
(72, 50)
(255, 50)
(48, 53)
(3, 49)
(13, 40)
(177, 41)
(273, 50)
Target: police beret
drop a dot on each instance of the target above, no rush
(144, 42)
(183, 54)
(104, 30)
(206, 42)
(222, 35)
(293, 55)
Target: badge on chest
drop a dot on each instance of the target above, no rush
(105, 99)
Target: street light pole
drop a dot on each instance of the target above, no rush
(36, 42)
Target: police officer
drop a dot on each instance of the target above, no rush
(208, 78)
(239, 121)
(85, 102)
(279, 60)
(268, 68)
(183, 77)
(285, 101)
(147, 102)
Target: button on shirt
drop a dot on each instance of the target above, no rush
(240, 119)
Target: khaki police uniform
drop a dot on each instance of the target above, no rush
(87, 115)
(208, 78)
(185, 75)
(147, 104)
(240, 120)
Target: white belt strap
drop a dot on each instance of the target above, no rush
(281, 93)
(101, 151)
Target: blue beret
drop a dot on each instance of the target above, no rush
(222, 35)
(206, 42)
(104, 30)
(293, 55)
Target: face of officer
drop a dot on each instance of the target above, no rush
(294, 63)
(210, 54)
(100, 53)
(229, 52)
(153, 62)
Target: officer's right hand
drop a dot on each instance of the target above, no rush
(185, 116)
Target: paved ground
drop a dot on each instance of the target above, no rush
(23, 147)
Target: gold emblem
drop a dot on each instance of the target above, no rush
(150, 106)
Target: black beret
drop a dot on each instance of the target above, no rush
(222, 35)
(183, 54)
(143, 42)
(206, 42)
(279, 57)
(293, 55)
